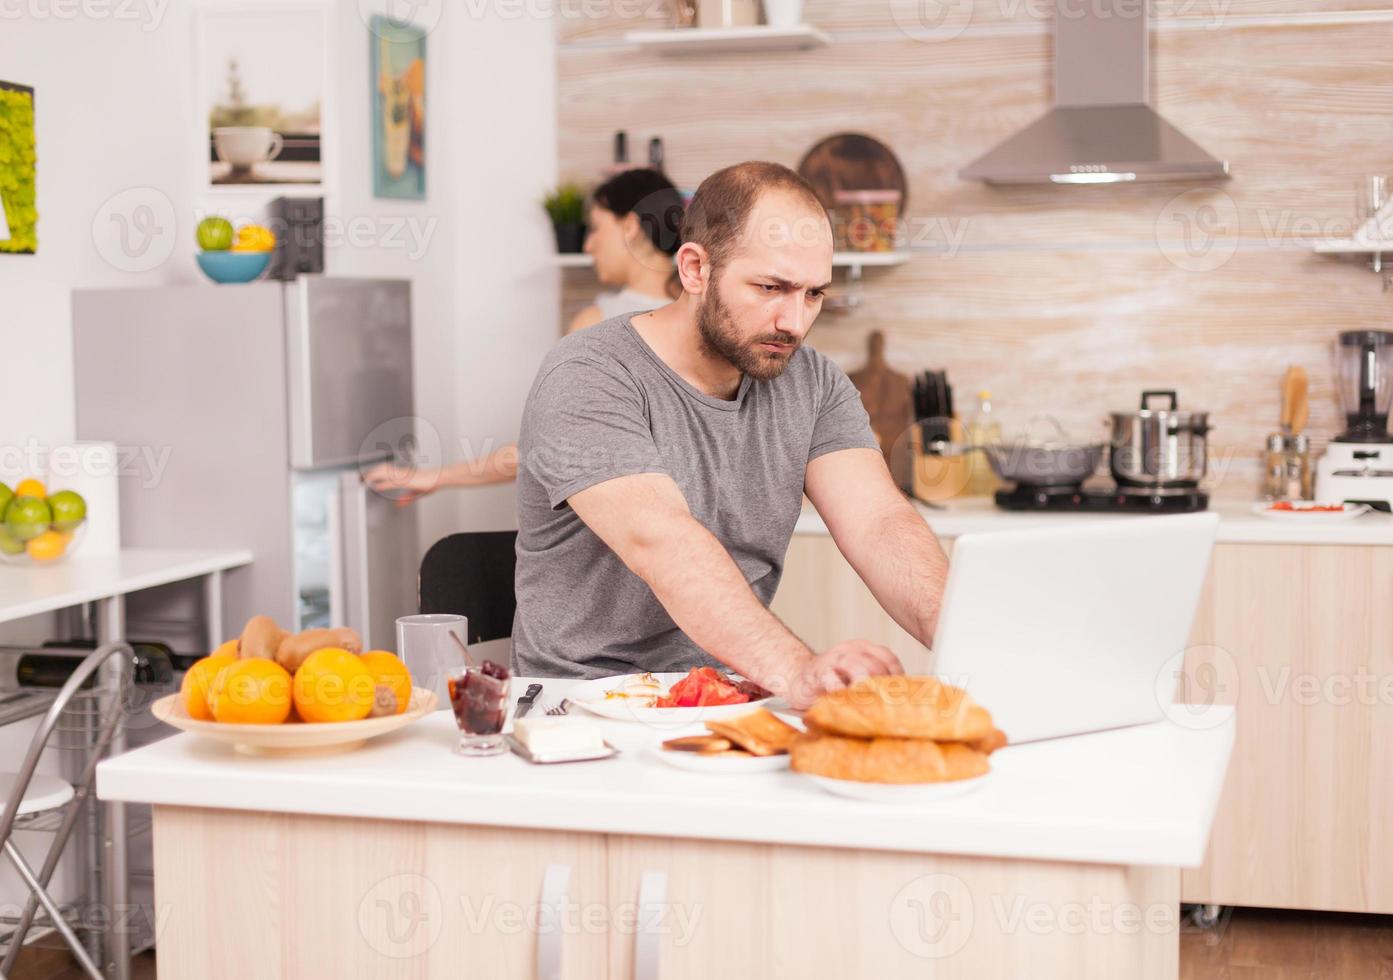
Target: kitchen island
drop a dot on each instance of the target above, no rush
(1294, 627)
(404, 859)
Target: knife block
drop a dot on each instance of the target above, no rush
(937, 476)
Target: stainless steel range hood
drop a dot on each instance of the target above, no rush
(1102, 129)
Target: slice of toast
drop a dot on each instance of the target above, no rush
(759, 732)
(701, 744)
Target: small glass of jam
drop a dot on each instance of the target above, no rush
(479, 697)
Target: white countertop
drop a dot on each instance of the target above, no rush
(1137, 796)
(1237, 523)
(29, 590)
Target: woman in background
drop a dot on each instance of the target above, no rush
(635, 229)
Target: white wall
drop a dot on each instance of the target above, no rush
(112, 111)
(107, 119)
(507, 293)
(113, 100)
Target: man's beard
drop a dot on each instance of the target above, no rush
(719, 337)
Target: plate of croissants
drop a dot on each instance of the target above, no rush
(897, 739)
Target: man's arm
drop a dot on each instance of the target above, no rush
(883, 537)
(644, 519)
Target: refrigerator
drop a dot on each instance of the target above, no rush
(245, 416)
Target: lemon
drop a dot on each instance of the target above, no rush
(31, 488)
(254, 238)
(48, 546)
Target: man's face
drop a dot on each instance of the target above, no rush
(762, 301)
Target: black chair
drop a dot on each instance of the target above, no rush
(471, 574)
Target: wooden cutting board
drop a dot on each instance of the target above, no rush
(889, 400)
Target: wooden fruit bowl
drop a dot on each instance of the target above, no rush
(294, 738)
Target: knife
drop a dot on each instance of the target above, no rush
(528, 698)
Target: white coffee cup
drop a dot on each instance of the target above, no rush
(783, 13)
(246, 146)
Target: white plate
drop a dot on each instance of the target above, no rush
(1349, 511)
(899, 792)
(590, 695)
(727, 765)
(721, 765)
(294, 737)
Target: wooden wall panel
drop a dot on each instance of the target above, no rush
(1061, 300)
(605, 21)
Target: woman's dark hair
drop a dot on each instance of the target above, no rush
(651, 196)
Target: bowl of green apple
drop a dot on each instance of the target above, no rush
(38, 527)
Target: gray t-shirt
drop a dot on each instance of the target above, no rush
(604, 405)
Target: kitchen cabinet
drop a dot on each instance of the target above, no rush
(274, 895)
(742, 910)
(1300, 637)
(292, 895)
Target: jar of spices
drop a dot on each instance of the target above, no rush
(1288, 474)
(867, 220)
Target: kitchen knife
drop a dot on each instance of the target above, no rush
(528, 698)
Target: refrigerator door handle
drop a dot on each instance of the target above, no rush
(337, 600)
(356, 559)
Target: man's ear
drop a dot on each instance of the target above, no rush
(693, 268)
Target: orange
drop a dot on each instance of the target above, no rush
(333, 685)
(387, 669)
(46, 546)
(251, 692)
(31, 488)
(197, 680)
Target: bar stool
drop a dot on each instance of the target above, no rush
(26, 793)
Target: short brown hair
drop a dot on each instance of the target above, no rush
(716, 217)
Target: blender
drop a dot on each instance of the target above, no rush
(1358, 463)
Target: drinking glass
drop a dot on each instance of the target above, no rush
(432, 645)
(479, 698)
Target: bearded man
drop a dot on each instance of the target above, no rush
(665, 455)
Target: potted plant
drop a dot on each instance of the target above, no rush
(566, 207)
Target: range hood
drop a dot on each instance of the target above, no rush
(1102, 129)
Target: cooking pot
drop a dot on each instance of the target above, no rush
(1159, 448)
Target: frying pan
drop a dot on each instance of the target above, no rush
(1045, 463)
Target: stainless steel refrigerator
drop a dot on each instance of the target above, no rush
(245, 416)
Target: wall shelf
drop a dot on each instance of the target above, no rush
(1372, 240)
(1352, 246)
(717, 40)
(853, 262)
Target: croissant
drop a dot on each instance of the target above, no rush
(902, 706)
(886, 760)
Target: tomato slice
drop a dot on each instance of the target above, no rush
(701, 687)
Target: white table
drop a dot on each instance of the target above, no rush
(1111, 815)
(27, 591)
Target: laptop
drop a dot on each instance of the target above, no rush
(1075, 628)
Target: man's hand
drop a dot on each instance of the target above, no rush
(840, 666)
